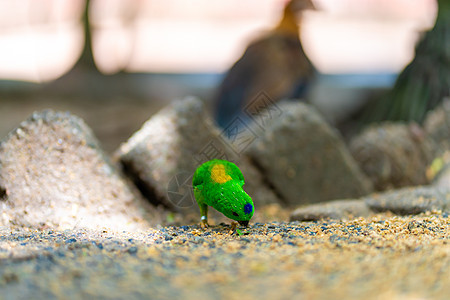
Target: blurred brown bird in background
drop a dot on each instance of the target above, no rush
(274, 64)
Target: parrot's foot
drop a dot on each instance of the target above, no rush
(204, 224)
(233, 228)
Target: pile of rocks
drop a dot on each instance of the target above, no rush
(53, 172)
(399, 159)
(163, 155)
(395, 155)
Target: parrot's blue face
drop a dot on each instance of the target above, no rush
(234, 202)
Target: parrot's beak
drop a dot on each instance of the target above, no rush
(243, 223)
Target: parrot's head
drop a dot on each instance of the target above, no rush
(234, 202)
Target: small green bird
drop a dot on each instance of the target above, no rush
(218, 183)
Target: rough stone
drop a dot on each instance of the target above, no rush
(437, 126)
(443, 177)
(408, 201)
(337, 210)
(162, 156)
(304, 159)
(393, 155)
(53, 174)
(439, 170)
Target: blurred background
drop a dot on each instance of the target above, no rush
(116, 62)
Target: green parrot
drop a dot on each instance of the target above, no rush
(218, 183)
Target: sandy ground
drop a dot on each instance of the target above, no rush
(382, 257)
